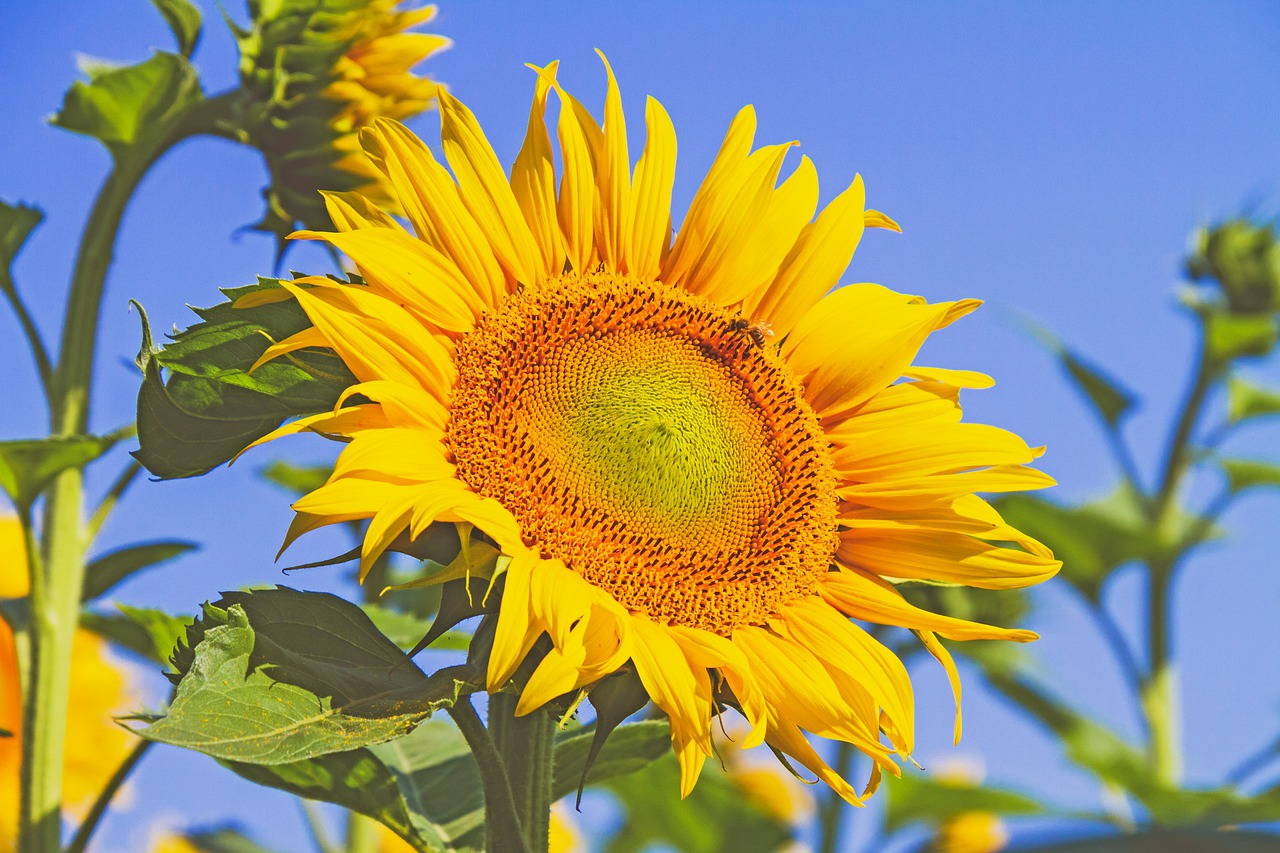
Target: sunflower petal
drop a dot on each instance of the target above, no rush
(533, 179)
(651, 193)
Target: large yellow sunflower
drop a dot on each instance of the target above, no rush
(697, 458)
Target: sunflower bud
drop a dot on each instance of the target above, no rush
(1244, 259)
(315, 73)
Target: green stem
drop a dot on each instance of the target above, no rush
(85, 832)
(833, 808)
(502, 826)
(34, 342)
(315, 825)
(1160, 690)
(55, 604)
(527, 747)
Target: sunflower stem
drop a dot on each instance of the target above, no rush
(57, 584)
(527, 746)
(502, 826)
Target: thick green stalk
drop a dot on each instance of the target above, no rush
(502, 827)
(56, 613)
(527, 747)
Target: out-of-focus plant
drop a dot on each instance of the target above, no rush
(1233, 297)
(314, 70)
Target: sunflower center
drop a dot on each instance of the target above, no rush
(641, 435)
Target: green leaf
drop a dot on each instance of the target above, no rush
(148, 632)
(916, 798)
(109, 569)
(423, 786)
(1231, 336)
(297, 479)
(717, 816)
(1250, 473)
(17, 221)
(211, 407)
(183, 18)
(28, 465)
(406, 629)
(1110, 399)
(1246, 400)
(630, 748)
(133, 108)
(277, 676)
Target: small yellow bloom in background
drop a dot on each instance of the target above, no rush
(95, 745)
(971, 832)
(700, 458)
(319, 72)
(173, 844)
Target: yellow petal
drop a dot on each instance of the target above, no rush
(674, 686)
(396, 455)
(858, 340)
(417, 276)
(711, 651)
(485, 191)
(613, 176)
(926, 490)
(929, 449)
(958, 378)
(785, 737)
(533, 180)
(305, 339)
(831, 637)
(580, 143)
(516, 632)
(814, 265)
(900, 406)
(873, 599)
(651, 193)
(939, 651)
(434, 206)
(350, 211)
(404, 404)
(691, 239)
(876, 219)
(941, 556)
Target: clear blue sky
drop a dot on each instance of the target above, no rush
(1048, 158)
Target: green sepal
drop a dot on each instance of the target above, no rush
(1250, 474)
(132, 109)
(211, 407)
(184, 19)
(113, 567)
(607, 748)
(1246, 400)
(28, 465)
(1231, 336)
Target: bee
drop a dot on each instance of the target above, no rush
(759, 331)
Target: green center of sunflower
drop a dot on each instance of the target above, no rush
(640, 435)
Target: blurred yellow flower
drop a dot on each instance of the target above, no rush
(174, 844)
(95, 745)
(971, 832)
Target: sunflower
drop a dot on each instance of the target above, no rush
(95, 745)
(697, 461)
(317, 73)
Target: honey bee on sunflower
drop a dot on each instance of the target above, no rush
(540, 359)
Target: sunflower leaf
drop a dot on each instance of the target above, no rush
(131, 109)
(145, 631)
(424, 786)
(1231, 336)
(27, 466)
(915, 798)
(306, 674)
(183, 19)
(1110, 399)
(111, 568)
(211, 407)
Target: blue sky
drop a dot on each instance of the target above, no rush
(1048, 158)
